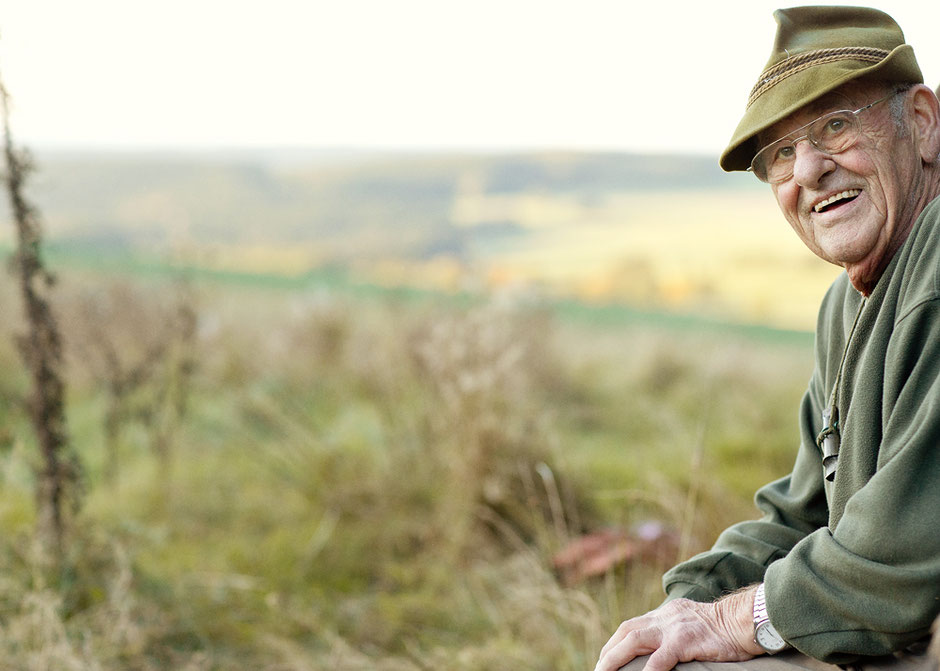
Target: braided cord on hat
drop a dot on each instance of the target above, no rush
(794, 64)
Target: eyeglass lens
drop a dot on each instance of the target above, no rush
(832, 133)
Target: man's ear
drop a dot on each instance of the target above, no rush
(925, 122)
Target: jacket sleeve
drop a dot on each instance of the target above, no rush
(872, 586)
(793, 507)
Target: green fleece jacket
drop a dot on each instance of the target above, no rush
(852, 566)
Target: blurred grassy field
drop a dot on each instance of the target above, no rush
(344, 415)
(374, 479)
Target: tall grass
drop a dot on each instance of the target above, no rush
(378, 484)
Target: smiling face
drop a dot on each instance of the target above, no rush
(855, 208)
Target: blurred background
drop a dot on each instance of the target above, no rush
(396, 335)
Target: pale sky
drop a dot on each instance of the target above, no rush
(639, 75)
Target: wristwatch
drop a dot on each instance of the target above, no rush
(764, 633)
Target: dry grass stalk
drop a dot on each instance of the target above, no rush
(141, 352)
(485, 426)
(41, 349)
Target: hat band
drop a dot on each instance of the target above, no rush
(791, 66)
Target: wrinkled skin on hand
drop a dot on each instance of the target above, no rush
(683, 631)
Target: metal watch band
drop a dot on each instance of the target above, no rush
(765, 635)
(760, 606)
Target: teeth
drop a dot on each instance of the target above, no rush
(851, 193)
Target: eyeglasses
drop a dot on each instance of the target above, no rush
(831, 134)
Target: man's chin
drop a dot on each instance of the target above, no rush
(846, 245)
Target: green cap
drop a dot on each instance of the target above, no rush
(818, 49)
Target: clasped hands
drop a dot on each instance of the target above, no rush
(683, 631)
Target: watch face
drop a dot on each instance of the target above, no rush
(768, 638)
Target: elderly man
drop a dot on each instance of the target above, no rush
(844, 565)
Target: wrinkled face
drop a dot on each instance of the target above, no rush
(855, 208)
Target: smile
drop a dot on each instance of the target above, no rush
(837, 198)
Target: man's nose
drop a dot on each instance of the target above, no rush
(811, 164)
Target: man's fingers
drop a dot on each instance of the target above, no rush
(622, 631)
(635, 643)
(661, 660)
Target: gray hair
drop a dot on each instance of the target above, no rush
(897, 108)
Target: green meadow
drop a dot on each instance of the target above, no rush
(332, 465)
